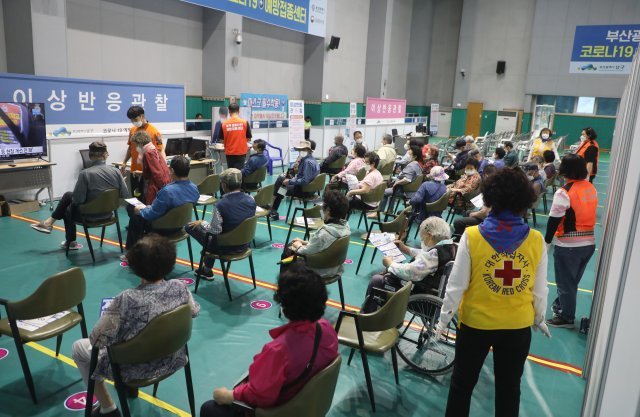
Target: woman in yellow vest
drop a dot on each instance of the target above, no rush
(543, 143)
(498, 287)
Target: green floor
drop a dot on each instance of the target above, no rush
(226, 335)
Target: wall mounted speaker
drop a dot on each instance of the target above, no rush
(334, 43)
(501, 67)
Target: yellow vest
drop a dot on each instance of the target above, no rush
(500, 293)
(539, 147)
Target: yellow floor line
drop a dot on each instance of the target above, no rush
(142, 395)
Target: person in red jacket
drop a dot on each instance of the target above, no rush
(277, 373)
(155, 172)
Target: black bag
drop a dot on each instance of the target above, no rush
(5, 210)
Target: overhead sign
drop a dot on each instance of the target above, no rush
(387, 111)
(604, 49)
(265, 106)
(86, 108)
(308, 16)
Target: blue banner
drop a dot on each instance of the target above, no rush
(604, 49)
(85, 108)
(308, 16)
(265, 106)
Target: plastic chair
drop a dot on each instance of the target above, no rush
(313, 400)
(208, 186)
(386, 170)
(56, 294)
(166, 334)
(396, 226)
(361, 174)
(309, 191)
(461, 200)
(274, 158)
(243, 234)
(411, 187)
(336, 166)
(332, 257)
(252, 182)
(372, 198)
(105, 203)
(375, 332)
(173, 222)
(86, 161)
(264, 200)
(438, 206)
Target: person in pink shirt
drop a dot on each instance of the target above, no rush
(348, 175)
(277, 373)
(372, 180)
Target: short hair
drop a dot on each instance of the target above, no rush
(546, 129)
(134, 111)
(152, 257)
(140, 138)
(573, 167)
(223, 111)
(359, 150)
(489, 170)
(313, 145)
(434, 151)
(417, 152)
(373, 158)
(261, 144)
(180, 166)
(473, 162)
(469, 138)
(591, 134)
(549, 156)
(436, 227)
(356, 131)
(415, 142)
(232, 178)
(199, 114)
(474, 153)
(508, 190)
(234, 108)
(97, 149)
(460, 143)
(508, 144)
(500, 153)
(337, 203)
(301, 293)
(387, 138)
(339, 138)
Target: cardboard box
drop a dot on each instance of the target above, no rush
(24, 206)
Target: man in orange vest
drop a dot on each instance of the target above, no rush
(589, 150)
(235, 134)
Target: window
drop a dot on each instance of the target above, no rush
(551, 100)
(607, 106)
(586, 105)
(565, 104)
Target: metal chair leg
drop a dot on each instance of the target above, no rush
(102, 235)
(190, 251)
(225, 272)
(341, 292)
(119, 233)
(58, 344)
(394, 360)
(351, 356)
(187, 375)
(155, 389)
(25, 370)
(367, 376)
(86, 233)
(253, 272)
(195, 212)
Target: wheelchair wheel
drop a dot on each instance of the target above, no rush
(416, 345)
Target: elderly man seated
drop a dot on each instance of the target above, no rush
(424, 270)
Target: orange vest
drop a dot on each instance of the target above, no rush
(583, 148)
(581, 216)
(156, 138)
(234, 133)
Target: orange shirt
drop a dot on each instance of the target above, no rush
(156, 138)
(235, 132)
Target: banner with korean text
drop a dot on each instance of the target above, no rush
(433, 119)
(92, 108)
(296, 126)
(265, 106)
(308, 16)
(385, 111)
(604, 49)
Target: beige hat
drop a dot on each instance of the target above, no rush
(303, 144)
(232, 177)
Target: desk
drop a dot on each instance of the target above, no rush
(27, 176)
(218, 148)
(198, 172)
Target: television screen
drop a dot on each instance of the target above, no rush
(197, 148)
(177, 146)
(22, 130)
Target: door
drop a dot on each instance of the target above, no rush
(474, 119)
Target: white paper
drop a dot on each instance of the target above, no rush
(282, 191)
(352, 181)
(35, 324)
(203, 198)
(260, 210)
(384, 242)
(134, 201)
(477, 201)
(300, 221)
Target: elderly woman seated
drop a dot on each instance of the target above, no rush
(283, 366)
(467, 184)
(152, 258)
(424, 270)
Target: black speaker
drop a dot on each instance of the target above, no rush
(501, 67)
(334, 43)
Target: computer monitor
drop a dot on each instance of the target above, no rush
(177, 146)
(197, 148)
(23, 131)
(421, 128)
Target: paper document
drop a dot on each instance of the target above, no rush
(203, 198)
(478, 201)
(300, 221)
(384, 243)
(35, 324)
(106, 302)
(282, 191)
(134, 201)
(260, 210)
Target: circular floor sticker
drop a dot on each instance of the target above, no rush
(261, 304)
(78, 401)
(348, 261)
(277, 245)
(283, 217)
(3, 353)
(187, 281)
(124, 264)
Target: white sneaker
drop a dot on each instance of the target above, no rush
(41, 227)
(72, 246)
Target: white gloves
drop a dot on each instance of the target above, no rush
(542, 326)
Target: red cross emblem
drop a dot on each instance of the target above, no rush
(508, 274)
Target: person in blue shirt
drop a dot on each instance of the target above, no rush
(258, 159)
(174, 194)
(429, 192)
(498, 158)
(308, 170)
(482, 162)
(223, 113)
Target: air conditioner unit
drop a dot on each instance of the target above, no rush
(506, 121)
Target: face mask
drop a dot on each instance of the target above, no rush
(427, 157)
(406, 146)
(530, 177)
(583, 138)
(253, 152)
(303, 154)
(369, 167)
(358, 140)
(470, 171)
(138, 123)
(545, 137)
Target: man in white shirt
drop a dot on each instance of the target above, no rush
(387, 152)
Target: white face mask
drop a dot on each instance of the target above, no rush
(583, 138)
(406, 146)
(470, 171)
(530, 177)
(358, 140)
(138, 123)
(369, 167)
(303, 154)
(545, 137)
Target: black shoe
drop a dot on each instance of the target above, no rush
(205, 272)
(274, 216)
(559, 321)
(96, 413)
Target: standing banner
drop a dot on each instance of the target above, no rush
(385, 111)
(265, 106)
(351, 125)
(296, 126)
(433, 119)
(308, 16)
(78, 108)
(604, 49)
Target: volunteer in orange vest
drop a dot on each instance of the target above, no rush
(589, 151)
(140, 123)
(498, 287)
(543, 143)
(235, 133)
(570, 228)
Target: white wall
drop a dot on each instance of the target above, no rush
(399, 48)
(136, 40)
(272, 59)
(3, 46)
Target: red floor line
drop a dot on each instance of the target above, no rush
(549, 363)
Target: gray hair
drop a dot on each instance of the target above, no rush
(140, 138)
(437, 228)
(473, 153)
(232, 177)
(469, 138)
(387, 138)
